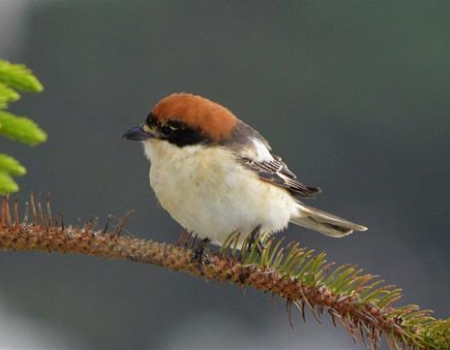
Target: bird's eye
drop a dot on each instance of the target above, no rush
(167, 130)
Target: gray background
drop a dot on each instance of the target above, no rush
(354, 95)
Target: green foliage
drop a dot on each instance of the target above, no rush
(15, 77)
(19, 77)
(11, 165)
(21, 129)
(7, 95)
(357, 300)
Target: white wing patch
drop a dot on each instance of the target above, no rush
(262, 153)
(277, 173)
(254, 152)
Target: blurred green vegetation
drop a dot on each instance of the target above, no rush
(14, 78)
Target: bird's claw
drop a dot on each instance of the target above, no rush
(200, 255)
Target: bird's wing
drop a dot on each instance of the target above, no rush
(254, 152)
(277, 173)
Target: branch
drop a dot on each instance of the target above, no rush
(301, 277)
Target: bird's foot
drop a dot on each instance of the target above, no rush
(200, 254)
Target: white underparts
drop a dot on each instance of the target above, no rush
(210, 194)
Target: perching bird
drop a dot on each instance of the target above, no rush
(216, 175)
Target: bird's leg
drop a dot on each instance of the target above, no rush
(255, 238)
(184, 239)
(200, 254)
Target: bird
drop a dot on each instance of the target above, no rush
(216, 175)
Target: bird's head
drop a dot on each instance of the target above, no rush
(185, 119)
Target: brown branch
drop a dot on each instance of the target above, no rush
(221, 268)
(366, 322)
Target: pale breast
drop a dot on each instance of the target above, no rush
(207, 192)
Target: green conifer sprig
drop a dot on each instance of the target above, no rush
(21, 129)
(7, 95)
(19, 77)
(14, 78)
(359, 301)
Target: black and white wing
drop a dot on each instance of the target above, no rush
(254, 152)
(277, 173)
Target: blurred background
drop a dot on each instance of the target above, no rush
(353, 95)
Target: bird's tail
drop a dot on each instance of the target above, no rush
(324, 222)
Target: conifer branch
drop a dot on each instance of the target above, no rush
(14, 78)
(356, 300)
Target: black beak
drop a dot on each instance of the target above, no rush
(136, 134)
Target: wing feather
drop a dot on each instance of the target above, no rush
(277, 173)
(254, 152)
